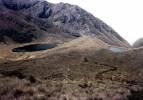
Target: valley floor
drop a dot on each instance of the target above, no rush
(74, 75)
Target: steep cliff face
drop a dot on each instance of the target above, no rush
(62, 19)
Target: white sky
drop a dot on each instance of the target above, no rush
(125, 16)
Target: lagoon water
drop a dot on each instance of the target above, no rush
(34, 47)
(116, 50)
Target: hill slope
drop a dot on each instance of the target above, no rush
(76, 75)
(68, 21)
(138, 43)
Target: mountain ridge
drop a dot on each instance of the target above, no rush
(64, 20)
(138, 43)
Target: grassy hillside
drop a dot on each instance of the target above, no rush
(75, 75)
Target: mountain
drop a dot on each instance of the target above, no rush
(138, 43)
(28, 20)
(85, 60)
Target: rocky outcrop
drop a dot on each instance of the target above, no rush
(63, 19)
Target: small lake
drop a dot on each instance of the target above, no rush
(34, 47)
(116, 50)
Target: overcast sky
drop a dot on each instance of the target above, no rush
(125, 16)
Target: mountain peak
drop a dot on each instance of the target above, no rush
(64, 19)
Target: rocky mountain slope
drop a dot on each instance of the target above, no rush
(30, 20)
(138, 43)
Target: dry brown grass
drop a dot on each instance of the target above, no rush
(16, 89)
(76, 76)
